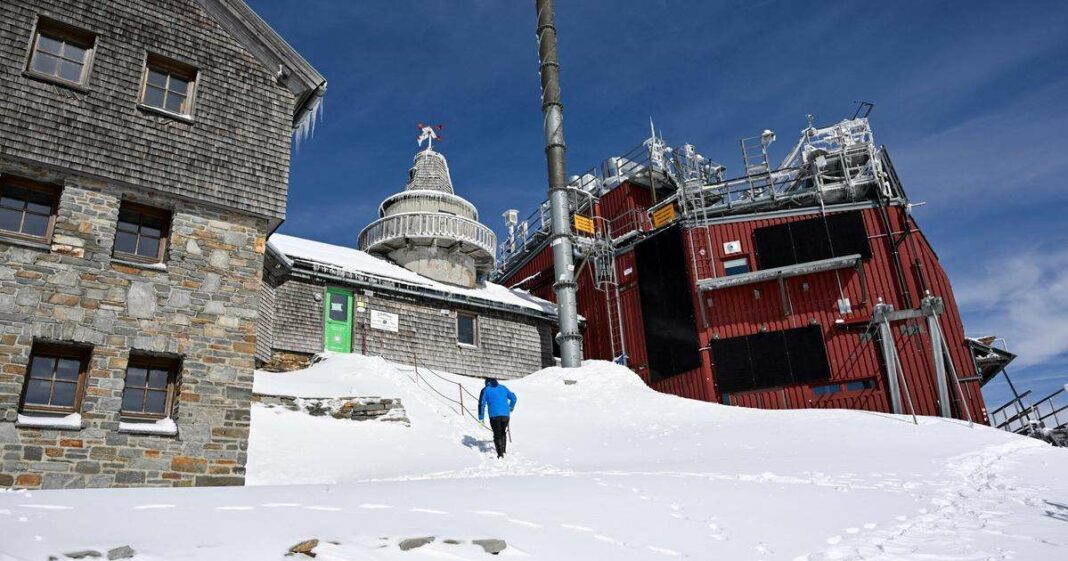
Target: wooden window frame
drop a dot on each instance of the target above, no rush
(66, 33)
(170, 67)
(57, 350)
(474, 326)
(149, 362)
(53, 192)
(165, 233)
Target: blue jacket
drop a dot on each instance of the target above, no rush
(497, 398)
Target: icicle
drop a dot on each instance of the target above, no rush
(305, 128)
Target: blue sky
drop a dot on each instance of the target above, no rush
(971, 100)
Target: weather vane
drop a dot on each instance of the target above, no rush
(429, 134)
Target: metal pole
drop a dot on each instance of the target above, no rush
(563, 267)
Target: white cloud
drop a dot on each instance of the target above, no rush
(1023, 297)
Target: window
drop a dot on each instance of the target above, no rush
(339, 306)
(736, 266)
(168, 86)
(141, 234)
(827, 389)
(149, 389)
(55, 379)
(859, 385)
(466, 329)
(27, 209)
(61, 53)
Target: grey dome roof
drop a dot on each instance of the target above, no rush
(430, 172)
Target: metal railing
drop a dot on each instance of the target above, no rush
(1017, 416)
(459, 403)
(399, 227)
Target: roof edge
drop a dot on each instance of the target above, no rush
(278, 56)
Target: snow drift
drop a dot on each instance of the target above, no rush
(600, 467)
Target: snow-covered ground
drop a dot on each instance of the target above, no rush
(600, 469)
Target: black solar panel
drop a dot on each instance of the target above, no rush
(813, 239)
(667, 306)
(768, 360)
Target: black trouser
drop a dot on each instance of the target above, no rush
(500, 433)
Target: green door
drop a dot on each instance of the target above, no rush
(337, 325)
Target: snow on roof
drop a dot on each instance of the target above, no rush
(356, 261)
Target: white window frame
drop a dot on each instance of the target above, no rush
(474, 329)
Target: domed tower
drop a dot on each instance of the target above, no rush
(428, 229)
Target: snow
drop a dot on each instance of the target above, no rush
(360, 262)
(604, 468)
(164, 426)
(72, 421)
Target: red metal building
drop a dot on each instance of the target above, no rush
(806, 285)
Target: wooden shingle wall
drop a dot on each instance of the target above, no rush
(234, 153)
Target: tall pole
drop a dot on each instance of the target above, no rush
(563, 266)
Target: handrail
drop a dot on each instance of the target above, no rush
(462, 409)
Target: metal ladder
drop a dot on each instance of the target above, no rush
(757, 168)
(605, 279)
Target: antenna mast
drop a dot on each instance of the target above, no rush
(563, 265)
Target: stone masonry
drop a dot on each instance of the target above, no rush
(219, 169)
(201, 306)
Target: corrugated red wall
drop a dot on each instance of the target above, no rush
(810, 299)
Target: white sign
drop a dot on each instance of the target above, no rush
(730, 248)
(384, 321)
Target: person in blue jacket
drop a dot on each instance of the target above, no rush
(500, 401)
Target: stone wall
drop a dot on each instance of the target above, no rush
(346, 408)
(200, 305)
(509, 345)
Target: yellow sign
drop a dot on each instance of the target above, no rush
(584, 224)
(663, 215)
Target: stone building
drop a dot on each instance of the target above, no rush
(144, 156)
(422, 298)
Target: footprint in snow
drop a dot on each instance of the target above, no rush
(870, 526)
(526, 523)
(576, 528)
(834, 540)
(324, 508)
(489, 513)
(852, 530)
(608, 539)
(370, 506)
(48, 507)
(279, 505)
(235, 508)
(152, 507)
(429, 511)
(663, 550)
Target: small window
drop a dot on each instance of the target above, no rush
(55, 379)
(736, 266)
(826, 389)
(859, 385)
(466, 329)
(27, 209)
(168, 86)
(141, 233)
(61, 53)
(149, 388)
(339, 306)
